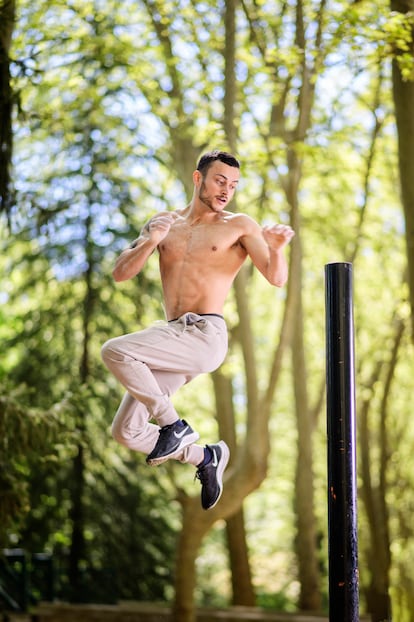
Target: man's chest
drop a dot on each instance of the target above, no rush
(200, 241)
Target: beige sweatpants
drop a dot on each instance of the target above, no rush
(152, 364)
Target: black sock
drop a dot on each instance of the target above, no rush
(208, 456)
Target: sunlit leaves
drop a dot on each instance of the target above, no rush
(398, 32)
(117, 100)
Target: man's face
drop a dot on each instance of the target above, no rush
(217, 188)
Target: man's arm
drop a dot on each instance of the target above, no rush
(131, 261)
(265, 247)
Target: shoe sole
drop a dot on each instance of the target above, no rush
(225, 455)
(187, 440)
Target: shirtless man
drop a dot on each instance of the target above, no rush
(201, 249)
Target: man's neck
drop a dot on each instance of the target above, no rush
(197, 212)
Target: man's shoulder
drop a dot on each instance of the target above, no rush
(241, 220)
(165, 212)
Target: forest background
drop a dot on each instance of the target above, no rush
(105, 108)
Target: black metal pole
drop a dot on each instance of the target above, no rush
(340, 394)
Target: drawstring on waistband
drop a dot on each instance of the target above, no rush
(190, 318)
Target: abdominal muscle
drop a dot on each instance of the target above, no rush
(196, 278)
(187, 294)
(200, 301)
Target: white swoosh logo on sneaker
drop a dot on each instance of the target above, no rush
(181, 434)
(215, 459)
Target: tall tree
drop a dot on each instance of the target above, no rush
(7, 21)
(374, 489)
(241, 577)
(403, 93)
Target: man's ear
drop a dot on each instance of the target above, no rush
(197, 178)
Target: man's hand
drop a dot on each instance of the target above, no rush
(277, 236)
(132, 259)
(159, 226)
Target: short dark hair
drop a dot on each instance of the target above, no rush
(208, 158)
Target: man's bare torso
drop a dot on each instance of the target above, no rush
(199, 261)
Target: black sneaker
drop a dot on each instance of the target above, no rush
(211, 475)
(173, 438)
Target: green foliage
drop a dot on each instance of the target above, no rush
(28, 436)
(399, 41)
(116, 102)
(125, 553)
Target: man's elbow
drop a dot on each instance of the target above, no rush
(118, 275)
(278, 280)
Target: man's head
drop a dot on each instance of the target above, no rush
(215, 179)
(208, 158)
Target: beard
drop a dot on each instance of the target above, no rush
(206, 199)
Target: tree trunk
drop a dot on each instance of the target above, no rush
(77, 545)
(77, 548)
(7, 20)
(374, 495)
(195, 526)
(306, 544)
(241, 578)
(403, 94)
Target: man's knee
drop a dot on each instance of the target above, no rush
(117, 433)
(110, 351)
(136, 440)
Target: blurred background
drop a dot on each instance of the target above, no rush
(105, 110)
